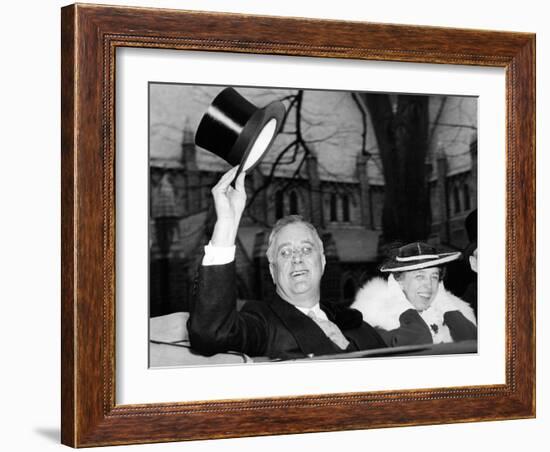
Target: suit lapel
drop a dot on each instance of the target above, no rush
(309, 337)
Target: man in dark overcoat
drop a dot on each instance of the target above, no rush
(297, 323)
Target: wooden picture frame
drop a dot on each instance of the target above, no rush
(90, 37)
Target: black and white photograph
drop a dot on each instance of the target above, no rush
(296, 224)
(253, 226)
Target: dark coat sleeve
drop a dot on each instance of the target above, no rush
(214, 324)
(460, 327)
(412, 330)
(371, 338)
(356, 329)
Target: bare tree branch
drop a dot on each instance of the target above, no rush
(361, 108)
(460, 126)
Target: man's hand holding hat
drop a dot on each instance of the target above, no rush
(229, 203)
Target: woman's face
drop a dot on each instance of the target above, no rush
(420, 286)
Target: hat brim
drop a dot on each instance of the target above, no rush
(254, 126)
(418, 264)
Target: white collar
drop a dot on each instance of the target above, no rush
(319, 313)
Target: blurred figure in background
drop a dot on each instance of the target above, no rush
(470, 253)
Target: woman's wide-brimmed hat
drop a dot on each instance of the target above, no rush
(238, 131)
(417, 255)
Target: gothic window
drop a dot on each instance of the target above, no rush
(200, 192)
(333, 201)
(456, 196)
(293, 201)
(279, 205)
(345, 207)
(206, 186)
(467, 204)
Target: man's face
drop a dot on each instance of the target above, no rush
(473, 261)
(298, 264)
(420, 286)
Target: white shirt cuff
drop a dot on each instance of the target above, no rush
(218, 255)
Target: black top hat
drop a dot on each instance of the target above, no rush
(238, 131)
(417, 255)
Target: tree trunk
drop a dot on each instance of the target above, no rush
(402, 138)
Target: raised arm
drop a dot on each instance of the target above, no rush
(214, 324)
(229, 203)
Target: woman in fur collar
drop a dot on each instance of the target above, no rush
(412, 305)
